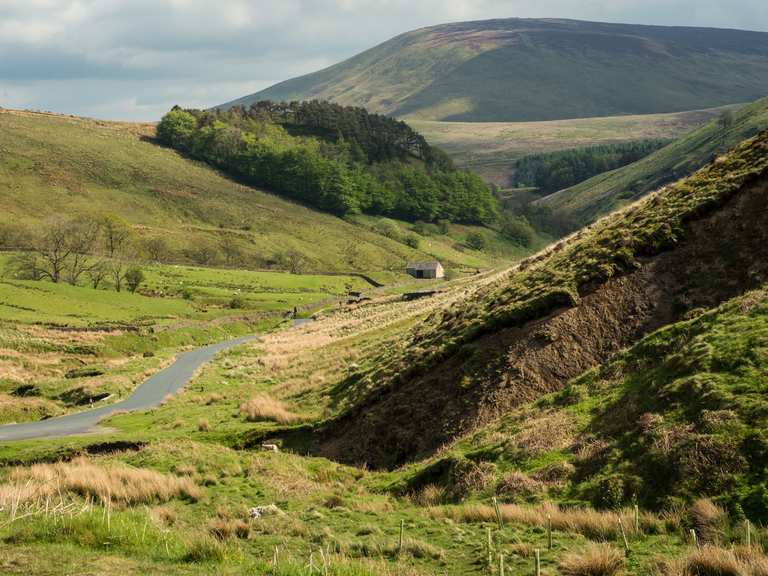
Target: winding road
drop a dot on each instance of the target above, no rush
(150, 394)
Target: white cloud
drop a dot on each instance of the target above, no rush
(135, 58)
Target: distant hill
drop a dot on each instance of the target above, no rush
(527, 69)
(581, 204)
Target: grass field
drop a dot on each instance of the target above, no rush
(65, 346)
(490, 148)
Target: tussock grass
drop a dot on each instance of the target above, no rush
(114, 483)
(263, 408)
(714, 561)
(592, 524)
(595, 560)
(709, 521)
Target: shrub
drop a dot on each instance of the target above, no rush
(477, 240)
(429, 495)
(134, 276)
(264, 408)
(516, 485)
(595, 560)
(413, 241)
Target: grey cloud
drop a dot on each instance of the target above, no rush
(133, 59)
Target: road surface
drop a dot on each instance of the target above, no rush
(150, 394)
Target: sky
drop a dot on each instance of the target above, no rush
(135, 59)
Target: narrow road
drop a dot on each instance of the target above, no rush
(150, 394)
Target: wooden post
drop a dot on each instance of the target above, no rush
(637, 519)
(402, 533)
(624, 536)
(549, 531)
(490, 547)
(501, 564)
(537, 556)
(694, 539)
(499, 519)
(748, 533)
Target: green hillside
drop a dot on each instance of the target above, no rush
(52, 165)
(526, 69)
(693, 245)
(581, 204)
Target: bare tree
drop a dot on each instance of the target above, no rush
(62, 250)
(156, 249)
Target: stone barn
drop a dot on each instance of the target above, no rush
(425, 270)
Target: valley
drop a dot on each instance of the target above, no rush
(488, 298)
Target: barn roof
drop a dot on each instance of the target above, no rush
(422, 266)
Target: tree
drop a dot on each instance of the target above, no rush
(156, 249)
(477, 240)
(117, 238)
(65, 248)
(519, 230)
(134, 276)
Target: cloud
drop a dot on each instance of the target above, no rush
(134, 59)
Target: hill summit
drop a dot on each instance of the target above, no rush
(541, 69)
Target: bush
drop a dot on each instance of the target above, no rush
(134, 276)
(518, 230)
(595, 560)
(413, 241)
(477, 241)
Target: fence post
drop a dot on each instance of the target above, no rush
(501, 564)
(624, 536)
(400, 543)
(499, 519)
(694, 538)
(748, 530)
(637, 519)
(549, 531)
(490, 547)
(537, 555)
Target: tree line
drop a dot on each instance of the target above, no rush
(82, 249)
(553, 171)
(352, 162)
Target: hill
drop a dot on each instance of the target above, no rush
(581, 204)
(491, 148)
(692, 245)
(52, 165)
(526, 70)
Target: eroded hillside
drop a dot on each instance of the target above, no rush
(691, 245)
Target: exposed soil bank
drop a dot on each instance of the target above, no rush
(722, 255)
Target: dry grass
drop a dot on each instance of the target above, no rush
(595, 560)
(429, 495)
(714, 561)
(517, 485)
(263, 408)
(116, 484)
(227, 528)
(203, 425)
(709, 521)
(590, 523)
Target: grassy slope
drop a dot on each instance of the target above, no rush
(583, 203)
(53, 164)
(524, 70)
(679, 415)
(490, 148)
